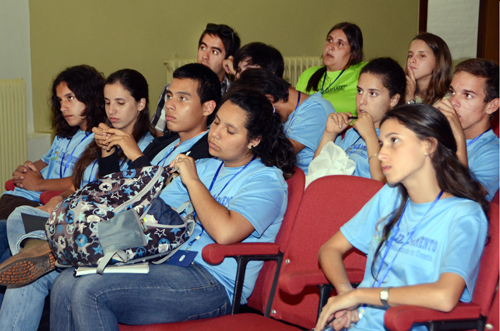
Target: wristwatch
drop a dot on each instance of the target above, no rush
(411, 102)
(384, 296)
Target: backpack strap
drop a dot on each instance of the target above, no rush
(107, 257)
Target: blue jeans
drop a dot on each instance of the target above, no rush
(22, 307)
(166, 294)
(4, 251)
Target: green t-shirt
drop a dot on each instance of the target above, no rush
(342, 94)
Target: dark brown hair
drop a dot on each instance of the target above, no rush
(452, 176)
(135, 83)
(355, 39)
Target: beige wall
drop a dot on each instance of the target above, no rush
(114, 34)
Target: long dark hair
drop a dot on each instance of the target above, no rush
(441, 75)
(355, 39)
(390, 73)
(88, 85)
(452, 176)
(135, 83)
(262, 121)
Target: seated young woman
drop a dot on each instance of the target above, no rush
(126, 98)
(423, 233)
(337, 78)
(77, 106)
(428, 69)
(381, 87)
(190, 103)
(239, 196)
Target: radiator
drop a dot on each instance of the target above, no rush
(13, 130)
(294, 66)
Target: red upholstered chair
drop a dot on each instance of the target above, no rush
(465, 315)
(328, 202)
(495, 124)
(9, 185)
(267, 276)
(492, 322)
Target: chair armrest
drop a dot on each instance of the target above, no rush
(294, 282)
(47, 195)
(215, 253)
(401, 318)
(9, 185)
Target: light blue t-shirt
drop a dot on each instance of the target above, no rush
(90, 172)
(169, 153)
(60, 160)
(306, 125)
(258, 193)
(450, 238)
(482, 156)
(355, 147)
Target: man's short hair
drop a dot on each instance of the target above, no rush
(485, 69)
(264, 81)
(208, 83)
(226, 34)
(265, 56)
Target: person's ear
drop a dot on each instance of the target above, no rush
(254, 143)
(431, 146)
(141, 104)
(394, 100)
(492, 106)
(208, 107)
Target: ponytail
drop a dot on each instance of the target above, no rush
(312, 84)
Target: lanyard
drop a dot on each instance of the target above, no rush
(473, 140)
(217, 173)
(324, 78)
(168, 154)
(351, 148)
(210, 189)
(61, 171)
(293, 114)
(391, 240)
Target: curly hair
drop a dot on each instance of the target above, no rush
(274, 148)
(88, 86)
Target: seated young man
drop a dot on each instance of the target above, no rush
(192, 97)
(303, 116)
(217, 43)
(255, 55)
(190, 103)
(474, 98)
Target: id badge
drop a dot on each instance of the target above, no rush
(182, 258)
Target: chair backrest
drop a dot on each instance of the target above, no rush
(487, 279)
(260, 294)
(326, 205)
